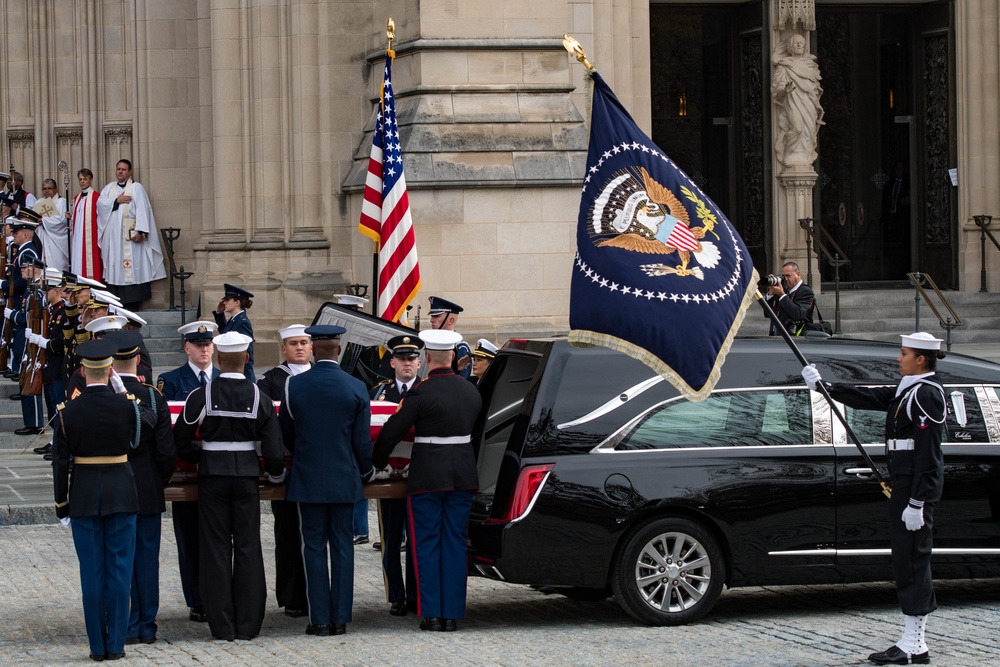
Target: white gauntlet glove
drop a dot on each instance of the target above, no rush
(64, 521)
(279, 479)
(913, 517)
(811, 376)
(116, 383)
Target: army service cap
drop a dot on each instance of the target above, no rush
(405, 347)
(128, 343)
(96, 354)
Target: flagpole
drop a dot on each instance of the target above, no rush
(390, 35)
(821, 388)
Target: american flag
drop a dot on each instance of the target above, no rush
(385, 211)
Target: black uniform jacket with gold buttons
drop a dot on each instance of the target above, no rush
(444, 405)
(154, 457)
(237, 412)
(98, 423)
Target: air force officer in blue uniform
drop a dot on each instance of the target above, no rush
(442, 479)
(325, 423)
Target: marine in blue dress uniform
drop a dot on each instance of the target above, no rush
(915, 412)
(97, 430)
(152, 460)
(402, 595)
(230, 416)
(443, 315)
(27, 257)
(289, 572)
(175, 385)
(234, 303)
(325, 422)
(442, 479)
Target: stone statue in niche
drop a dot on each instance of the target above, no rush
(795, 90)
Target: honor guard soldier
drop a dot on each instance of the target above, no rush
(443, 315)
(230, 415)
(144, 370)
(915, 413)
(25, 250)
(51, 341)
(175, 385)
(442, 478)
(152, 461)
(234, 303)
(325, 423)
(482, 357)
(289, 572)
(32, 409)
(97, 329)
(97, 431)
(402, 596)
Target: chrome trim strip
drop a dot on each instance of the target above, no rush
(534, 499)
(615, 403)
(988, 397)
(734, 448)
(949, 551)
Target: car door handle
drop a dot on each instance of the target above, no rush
(860, 472)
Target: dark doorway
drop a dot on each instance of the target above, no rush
(884, 191)
(709, 112)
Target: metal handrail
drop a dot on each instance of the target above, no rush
(983, 221)
(918, 280)
(837, 259)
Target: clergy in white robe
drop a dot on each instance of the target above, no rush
(129, 241)
(54, 230)
(85, 258)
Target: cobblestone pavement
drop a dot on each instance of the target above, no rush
(41, 622)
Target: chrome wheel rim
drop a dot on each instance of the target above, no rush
(673, 572)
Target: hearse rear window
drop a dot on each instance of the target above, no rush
(726, 419)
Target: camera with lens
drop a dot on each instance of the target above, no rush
(772, 280)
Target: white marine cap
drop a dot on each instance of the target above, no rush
(101, 296)
(921, 341)
(440, 339)
(232, 341)
(127, 314)
(89, 282)
(53, 274)
(106, 323)
(350, 300)
(292, 331)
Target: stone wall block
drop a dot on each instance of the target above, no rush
(545, 67)
(492, 67)
(488, 205)
(491, 108)
(473, 167)
(547, 107)
(502, 272)
(469, 239)
(543, 303)
(448, 137)
(541, 166)
(523, 136)
(532, 237)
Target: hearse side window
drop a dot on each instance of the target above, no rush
(726, 419)
(869, 425)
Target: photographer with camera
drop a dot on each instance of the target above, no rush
(790, 298)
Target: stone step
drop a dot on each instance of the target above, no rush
(168, 316)
(165, 361)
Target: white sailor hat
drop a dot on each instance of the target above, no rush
(350, 300)
(292, 331)
(106, 324)
(921, 341)
(200, 331)
(440, 339)
(127, 314)
(232, 341)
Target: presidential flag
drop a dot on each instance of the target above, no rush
(385, 211)
(660, 274)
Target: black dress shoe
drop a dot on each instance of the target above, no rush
(224, 639)
(319, 630)
(97, 657)
(448, 625)
(47, 457)
(147, 640)
(398, 609)
(131, 641)
(339, 629)
(897, 656)
(245, 638)
(360, 539)
(15, 397)
(29, 430)
(294, 613)
(198, 615)
(377, 546)
(433, 624)
(114, 656)
(44, 449)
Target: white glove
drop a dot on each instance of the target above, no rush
(811, 376)
(280, 478)
(6, 313)
(116, 383)
(64, 521)
(41, 341)
(367, 477)
(913, 517)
